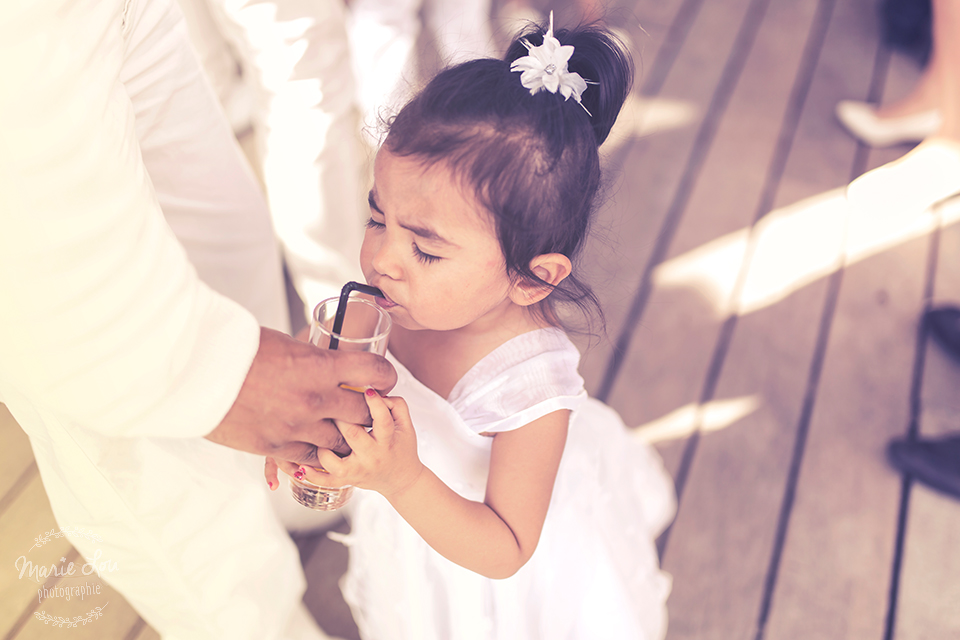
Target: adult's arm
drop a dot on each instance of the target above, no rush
(103, 321)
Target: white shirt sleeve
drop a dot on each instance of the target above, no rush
(103, 320)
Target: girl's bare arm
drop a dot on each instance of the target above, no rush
(493, 538)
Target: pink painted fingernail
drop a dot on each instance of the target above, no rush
(299, 474)
(270, 484)
(371, 392)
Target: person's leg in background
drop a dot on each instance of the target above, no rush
(295, 62)
(924, 111)
(383, 37)
(221, 63)
(930, 172)
(946, 38)
(936, 461)
(460, 29)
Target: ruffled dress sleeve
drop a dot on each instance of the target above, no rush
(526, 378)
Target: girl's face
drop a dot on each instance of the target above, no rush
(432, 249)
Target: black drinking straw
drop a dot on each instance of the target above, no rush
(348, 288)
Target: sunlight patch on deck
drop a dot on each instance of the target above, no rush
(711, 416)
(792, 247)
(642, 117)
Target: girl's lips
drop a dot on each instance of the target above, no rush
(385, 302)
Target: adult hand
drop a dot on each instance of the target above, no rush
(292, 394)
(384, 460)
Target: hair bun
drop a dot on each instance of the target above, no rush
(601, 59)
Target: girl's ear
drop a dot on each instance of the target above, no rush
(552, 268)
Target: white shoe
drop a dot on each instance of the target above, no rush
(860, 119)
(910, 185)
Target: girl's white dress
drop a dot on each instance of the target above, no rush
(595, 573)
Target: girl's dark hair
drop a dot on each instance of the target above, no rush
(531, 160)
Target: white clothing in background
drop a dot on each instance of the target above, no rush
(383, 37)
(130, 229)
(595, 572)
(297, 90)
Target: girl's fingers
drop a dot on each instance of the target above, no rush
(331, 468)
(355, 435)
(270, 473)
(399, 412)
(380, 412)
(315, 475)
(289, 468)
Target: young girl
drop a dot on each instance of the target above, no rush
(503, 503)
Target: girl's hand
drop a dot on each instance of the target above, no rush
(272, 466)
(384, 460)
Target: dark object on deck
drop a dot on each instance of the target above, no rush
(934, 462)
(907, 26)
(944, 325)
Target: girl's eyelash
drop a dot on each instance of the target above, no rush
(425, 258)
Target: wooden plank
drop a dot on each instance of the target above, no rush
(147, 633)
(837, 560)
(16, 456)
(27, 518)
(721, 543)
(643, 181)
(673, 345)
(929, 589)
(102, 614)
(661, 168)
(324, 569)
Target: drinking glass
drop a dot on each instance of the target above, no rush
(365, 327)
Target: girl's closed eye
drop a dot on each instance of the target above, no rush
(425, 258)
(421, 255)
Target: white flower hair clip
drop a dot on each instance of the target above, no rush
(546, 68)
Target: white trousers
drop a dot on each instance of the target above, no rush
(198, 549)
(383, 37)
(296, 86)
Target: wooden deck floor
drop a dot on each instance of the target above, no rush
(765, 339)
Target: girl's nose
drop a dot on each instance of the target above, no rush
(385, 259)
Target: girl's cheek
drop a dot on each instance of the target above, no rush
(367, 251)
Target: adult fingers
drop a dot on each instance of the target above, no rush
(362, 370)
(340, 403)
(289, 468)
(270, 473)
(323, 434)
(334, 465)
(321, 478)
(296, 451)
(314, 475)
